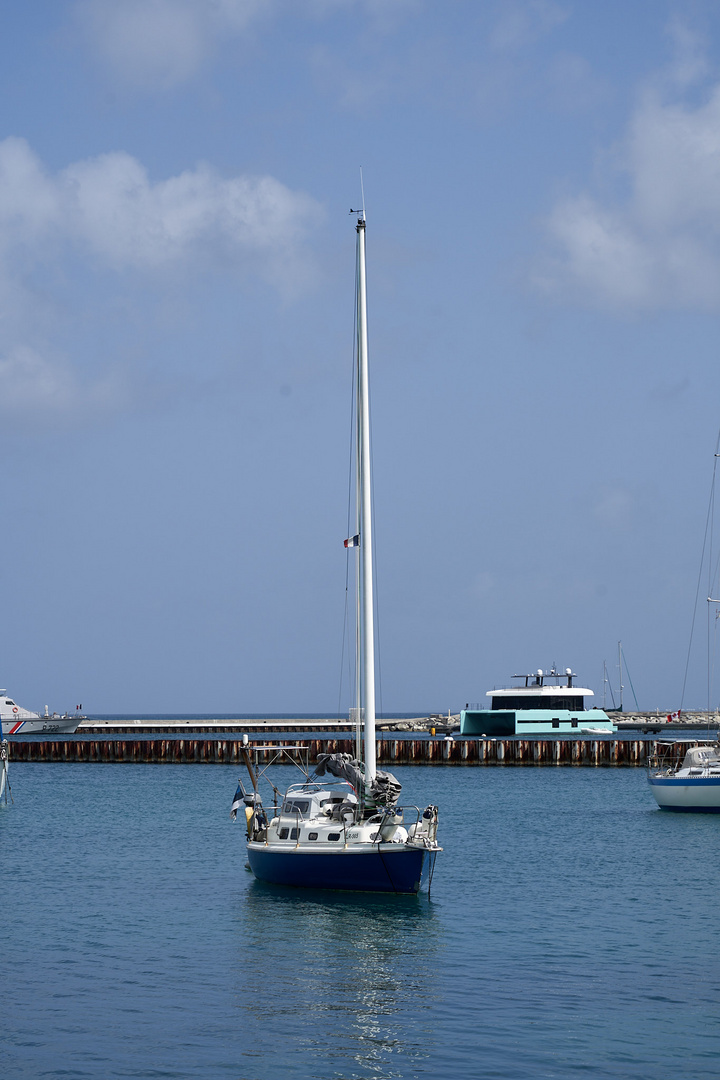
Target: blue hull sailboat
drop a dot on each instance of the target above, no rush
(342, 827)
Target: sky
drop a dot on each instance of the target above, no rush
(542, 185)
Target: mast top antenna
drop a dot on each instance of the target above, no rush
(360, 213)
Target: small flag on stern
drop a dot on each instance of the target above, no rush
(237, 802)
(353, 541)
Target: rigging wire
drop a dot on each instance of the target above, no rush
(606, 682)
(708, 519)
(627, 671)
(351, 459)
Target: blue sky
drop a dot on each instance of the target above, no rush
(176, 298)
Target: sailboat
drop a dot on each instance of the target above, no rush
(693, 785)
(343, 827)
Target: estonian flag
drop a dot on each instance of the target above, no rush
(237, 802)
(353, 541)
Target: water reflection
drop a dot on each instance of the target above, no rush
(348, 979)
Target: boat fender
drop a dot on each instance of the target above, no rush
(248, 819)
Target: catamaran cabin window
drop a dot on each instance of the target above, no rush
(283, 834)
(512, 703)
(312, 836)
(333, 836)
(293, 834)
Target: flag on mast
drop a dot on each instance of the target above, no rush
(353, 541)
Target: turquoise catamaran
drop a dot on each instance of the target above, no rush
(547, 704)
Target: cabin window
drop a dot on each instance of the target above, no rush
(299, 806)
(293, 834)
(555, 723)
(9, 702)
(513, 703)
(573, 723)
(333, 836)
(283, 834)
(312, 836)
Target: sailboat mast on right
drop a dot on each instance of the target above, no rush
(694, 784)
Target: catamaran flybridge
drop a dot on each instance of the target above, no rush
(342, 827)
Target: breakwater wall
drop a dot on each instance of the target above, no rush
(465, 751)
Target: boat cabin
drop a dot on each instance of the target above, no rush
(305, 805)
(543, 703)
(701, 759)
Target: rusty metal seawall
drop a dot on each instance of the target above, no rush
(467, 751)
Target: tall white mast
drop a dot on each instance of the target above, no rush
(368, 633)
(356, 531)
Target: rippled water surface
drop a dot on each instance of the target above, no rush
(570, 932)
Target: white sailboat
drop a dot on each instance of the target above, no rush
(342, 827)
(693, 785)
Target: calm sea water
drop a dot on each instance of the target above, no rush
(571, 932)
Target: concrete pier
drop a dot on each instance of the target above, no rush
(407, 751)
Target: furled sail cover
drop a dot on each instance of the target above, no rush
(384, 790)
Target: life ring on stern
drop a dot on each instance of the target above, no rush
(15, 708)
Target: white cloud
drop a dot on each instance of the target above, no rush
(26, 378)
(109, 206)
(105, 214)
(160, 43)
(32, 383)
(689, 62)
(658, 244)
